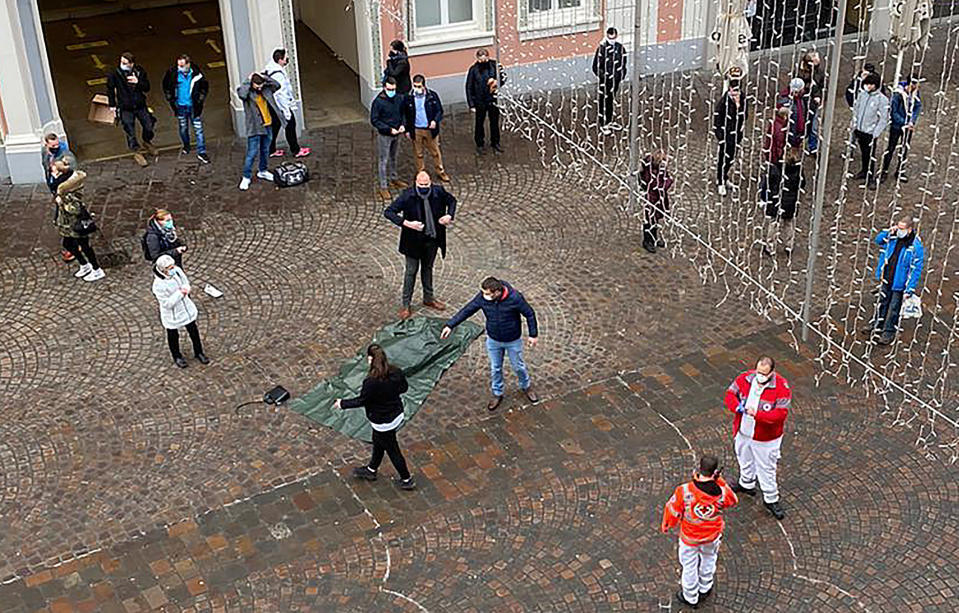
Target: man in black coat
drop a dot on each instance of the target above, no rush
(127, 86)
(424, 112)
(729, 119)
(185, 89)
(482, 84)
(423, 212)
(609, 64)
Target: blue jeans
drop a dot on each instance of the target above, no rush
(812, 141)
(890, 304)
(514, 350)
(184, 116)
(256, 144)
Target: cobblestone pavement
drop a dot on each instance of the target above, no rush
(131, 485)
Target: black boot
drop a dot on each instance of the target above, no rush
(649, 242)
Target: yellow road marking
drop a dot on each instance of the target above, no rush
(76, 30)
(202, 30)
(89, 45)
(216, 64)
(96, 62)
(100, 81)
(189, 15)
(213, 44)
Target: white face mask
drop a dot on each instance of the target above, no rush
(764, 379)
(490, 298)
(902, 233)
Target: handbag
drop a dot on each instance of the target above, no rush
(85, 224)
(911, 307)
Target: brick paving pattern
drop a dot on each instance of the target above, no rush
(129, 485)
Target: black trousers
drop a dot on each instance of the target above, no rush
(724, 160)
(867, 146)
(607, 94)
(81, 250)
(290, 133)
(479, 131)
(386, 441)
(128, 120)
(895, 135)
(173, 340)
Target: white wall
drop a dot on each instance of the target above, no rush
(332, 22)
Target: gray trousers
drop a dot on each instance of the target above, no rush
(425, 266)
(386, 147)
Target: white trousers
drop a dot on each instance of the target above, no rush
(758, 460)
(699, 568)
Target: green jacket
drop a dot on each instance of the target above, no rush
(69, 200)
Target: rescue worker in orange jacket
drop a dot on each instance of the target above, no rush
(697, 506)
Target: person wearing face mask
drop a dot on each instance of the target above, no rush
(172, 290)
(482, 84)
(424, 112)
(759, 400)
(161, 238)
(870, 116)
(899, 272)
(260, 111)
(609, 65)
(127, 87)
(729, 120)
(276, 70)
(56, 149)
(69, 203)
(398, 67)
(381, 396)
(424, 212)
(697, 507)
(186, 88)
(387, 118)
(502, 305)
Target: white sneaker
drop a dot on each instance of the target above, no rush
(266, 175)
(95, 275)
(721, 189)
(244, 184)
(84, 270)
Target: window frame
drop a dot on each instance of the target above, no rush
(446, 36)
(586, 14)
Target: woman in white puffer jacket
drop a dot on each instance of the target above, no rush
(172, 290)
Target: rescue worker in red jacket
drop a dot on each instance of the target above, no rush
(697, 506)
(759, 399)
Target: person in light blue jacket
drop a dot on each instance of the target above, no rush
(899, 270)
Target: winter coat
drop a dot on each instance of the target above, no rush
(770, 188)
(124, 95)
(398, 67)
(908, 268)
(478, 93)
(815, 79)
(609, 64)
(284, 95)
(409, 207)
(870, 114)
(434, 112)
(728, 121)
(503, 322)
(904, 108)
(69, 200)
(699, 513)
(791, 181)
(176, 309)
(386, 113)
(47, 159)
(254, 120)
(798, 114)
(656, 182)
(199, 88)
(158, 244)
(774, 143)
(380, 397)
(774, 405)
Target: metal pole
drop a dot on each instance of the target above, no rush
(634, 113)
(826, 141)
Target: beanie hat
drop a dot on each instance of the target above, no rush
(796, 84)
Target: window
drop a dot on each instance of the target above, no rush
(445, 25)
(547, 14)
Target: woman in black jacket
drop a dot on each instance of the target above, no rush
(398, 67)
(781, 211)
(161, 238)
(380, 396)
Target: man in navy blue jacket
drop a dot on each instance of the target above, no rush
(424, 112)
(502, 305)
(904, 108)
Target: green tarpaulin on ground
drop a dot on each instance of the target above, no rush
(413, 345)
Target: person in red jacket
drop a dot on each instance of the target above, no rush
(697, 506)
(759, 399)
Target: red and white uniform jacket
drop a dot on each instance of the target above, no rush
(770, 412)
(698, 513)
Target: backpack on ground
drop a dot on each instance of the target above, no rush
(289, 174)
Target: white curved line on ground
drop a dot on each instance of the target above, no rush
(689, 445)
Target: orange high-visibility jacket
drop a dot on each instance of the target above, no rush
(699, 515)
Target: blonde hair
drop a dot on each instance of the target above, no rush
(61, 165)
(157, 214)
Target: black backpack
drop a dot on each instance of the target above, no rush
(289, 174)
(146, 249)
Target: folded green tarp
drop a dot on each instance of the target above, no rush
(413, 345)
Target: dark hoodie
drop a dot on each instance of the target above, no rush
(398, 67)
(381, 397)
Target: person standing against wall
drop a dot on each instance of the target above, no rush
(609, 65)
(186, 89)
(286, 103)
(482, 86)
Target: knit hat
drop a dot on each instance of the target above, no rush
(796, 84)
